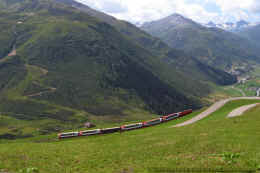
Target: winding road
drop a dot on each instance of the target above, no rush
(212, 109)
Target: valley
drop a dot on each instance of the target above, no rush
(99, 88)
(69, 67)
(248, 83)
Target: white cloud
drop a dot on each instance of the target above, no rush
(198, 10)
(256, 7)
(228, 5)
(108, 6)
(238, 10)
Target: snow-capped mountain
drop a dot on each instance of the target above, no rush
(138, 24)
(230, 26)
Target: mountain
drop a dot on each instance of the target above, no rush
(62, 64)
(61, 67)
(215, 47)
(230, 26)
(210, 24)
(242, 24)
(252, 33)
(154, 45)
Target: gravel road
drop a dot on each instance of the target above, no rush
(239, 111)
(212, 109)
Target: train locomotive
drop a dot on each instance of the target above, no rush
(126, 127)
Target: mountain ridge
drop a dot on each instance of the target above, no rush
(212, 46)
(156, 46)
(251, 33)
(231, 26)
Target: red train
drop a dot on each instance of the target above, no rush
(126, 127)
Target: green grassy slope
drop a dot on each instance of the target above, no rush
(71, 68)
(215, 142)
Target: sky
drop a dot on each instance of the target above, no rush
(203, 11)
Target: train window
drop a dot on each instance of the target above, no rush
(132, 125)
(66, 134)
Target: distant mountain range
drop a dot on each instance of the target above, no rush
(231, 26)
(210, 45)
(228, 26)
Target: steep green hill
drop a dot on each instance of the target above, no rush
(215, 47)
(185, 64)
(61, 67)
(67, 66)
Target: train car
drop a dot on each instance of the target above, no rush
(171, 117)
(90, 132)
(110, 130)
(152, 122)
(131, 126)
(126, 127)
(185, 112)
(68, 135)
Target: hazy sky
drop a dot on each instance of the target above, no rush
(198, 10)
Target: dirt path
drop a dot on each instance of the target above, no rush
(44, 72)
(212, 109)
(239, 111)
(240, 90)
(41, 93)
(13, 53)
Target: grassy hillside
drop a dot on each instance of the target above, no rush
(215, 47)
(215, 142)
(67, 68)
(184, 63)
